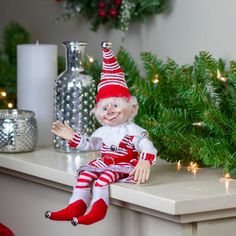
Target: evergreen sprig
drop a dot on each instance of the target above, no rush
(116, 14)
(13, 35)
(189, 110)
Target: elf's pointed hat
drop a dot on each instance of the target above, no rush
(112, 83)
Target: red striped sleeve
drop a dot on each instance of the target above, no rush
(148, 157)
(75, 141)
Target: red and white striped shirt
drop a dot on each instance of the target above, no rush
(119, 145)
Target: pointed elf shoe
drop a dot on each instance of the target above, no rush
(98, 210)
(78, 205)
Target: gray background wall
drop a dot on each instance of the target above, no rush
(187, 28)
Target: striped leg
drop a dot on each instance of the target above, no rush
(85, 178)
(100, 199)
(79, 200)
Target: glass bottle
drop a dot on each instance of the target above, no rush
(74, 95)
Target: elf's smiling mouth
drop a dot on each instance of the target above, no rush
(113, 117)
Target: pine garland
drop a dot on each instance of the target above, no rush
(116, 14)
(189, 110)
(13, 35)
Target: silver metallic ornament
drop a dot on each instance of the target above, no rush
(18, 131)
(74, 95)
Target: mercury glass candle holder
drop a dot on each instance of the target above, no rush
(18, 131)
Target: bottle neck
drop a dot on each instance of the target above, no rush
(74, 56)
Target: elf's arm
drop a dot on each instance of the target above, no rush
(147, 158)
(75, 140)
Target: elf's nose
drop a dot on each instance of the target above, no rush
(110, 110)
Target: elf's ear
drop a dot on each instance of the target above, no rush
(134, 104)
(92, 112)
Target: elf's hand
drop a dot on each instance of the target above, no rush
(141, 171)
(63, 130)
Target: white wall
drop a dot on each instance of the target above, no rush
(187, 28)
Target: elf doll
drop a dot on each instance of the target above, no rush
(126, 153)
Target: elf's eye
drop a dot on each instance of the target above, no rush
(115, 105)
(104, 108)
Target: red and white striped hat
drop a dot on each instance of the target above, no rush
(112, 83)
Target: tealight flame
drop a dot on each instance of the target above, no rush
(10, 105)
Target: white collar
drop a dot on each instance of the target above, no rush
(112, 135)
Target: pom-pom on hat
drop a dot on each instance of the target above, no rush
(112, 83)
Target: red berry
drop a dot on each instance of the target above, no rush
(102, 13)
(113, 12)
(101, 4)
(118, 2)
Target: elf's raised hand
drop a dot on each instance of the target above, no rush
(62, 130)
(141, 171)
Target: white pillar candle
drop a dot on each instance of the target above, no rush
(36, 74)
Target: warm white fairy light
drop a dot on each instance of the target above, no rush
(226, 179)
(227, 176)
(10, 105)
(220, 77)
(178, 166)
(155, 81)
(3, 93)
(91, 60)
(193, 167)
(197, 124)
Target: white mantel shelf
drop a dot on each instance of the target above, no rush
(173, 202)
(169, 191)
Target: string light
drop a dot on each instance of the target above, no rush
(3, 93)
(178, 166)
(226, 179)
(220, 77)
(197, 124)
(10, 105)
(91, 60)
(155, 81)
(193, 167)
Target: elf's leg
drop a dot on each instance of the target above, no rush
(100, 199)
(79, 200)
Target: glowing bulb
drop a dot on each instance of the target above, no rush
(178, 167)
(193, 167)
(219, 77)
(226, 179)
(227, 176)
(91, 60)
(3, 93)
(197, 124)
(155, 81)
(10, 105)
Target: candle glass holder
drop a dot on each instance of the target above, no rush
(74, 95)
(18, 130)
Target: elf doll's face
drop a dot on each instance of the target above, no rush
(115, 111)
